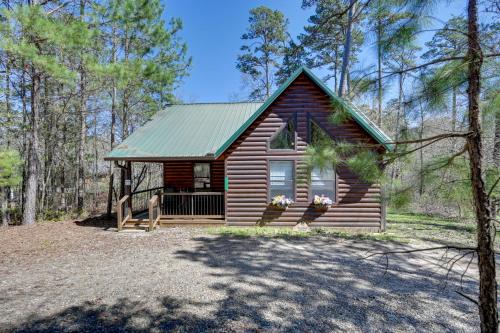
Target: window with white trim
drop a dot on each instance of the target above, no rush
(323, 182)
(282, 179)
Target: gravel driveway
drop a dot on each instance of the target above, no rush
(82, 276)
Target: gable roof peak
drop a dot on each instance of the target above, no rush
(370, 127)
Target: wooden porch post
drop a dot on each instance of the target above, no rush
(128, 183)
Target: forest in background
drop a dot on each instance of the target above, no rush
(77, 77)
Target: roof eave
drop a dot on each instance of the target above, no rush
(160, 158)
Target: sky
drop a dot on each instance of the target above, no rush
(212, 30)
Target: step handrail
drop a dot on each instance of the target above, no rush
(154, 207)
(121, 220)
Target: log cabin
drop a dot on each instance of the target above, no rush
(223, 163)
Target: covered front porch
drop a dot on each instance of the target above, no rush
(192, 193)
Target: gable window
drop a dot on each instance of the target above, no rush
(285, 139)
(281, 179)
(323, 182)
(201, 175)
(318, 136)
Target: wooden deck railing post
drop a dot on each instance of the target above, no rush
(120, 218)
(154, 207)
(119, 215)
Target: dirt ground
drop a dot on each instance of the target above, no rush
(85, 277)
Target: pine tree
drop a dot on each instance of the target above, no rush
(31, 34)
(267, 38)
(324, 39)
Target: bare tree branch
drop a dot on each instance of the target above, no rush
(444, 247)
(493, 187)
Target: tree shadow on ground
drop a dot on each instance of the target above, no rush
(101, 221)
(123, 316)
(311, 285)
(292, 285)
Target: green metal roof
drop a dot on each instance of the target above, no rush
(206, 130)
(185, 131)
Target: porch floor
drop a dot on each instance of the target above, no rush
(141, 222)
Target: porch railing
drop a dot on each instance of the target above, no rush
(140, 199)
(196, 204)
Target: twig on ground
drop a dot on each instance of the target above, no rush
(467, 297)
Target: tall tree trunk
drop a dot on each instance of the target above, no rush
(31, 191)
(421, 152)
(96, 166)
(495, 201)
(62, 178)
(496, 140)
(25, 135)
(80, 172)
(335, 68)
(112, 131)
(400, 111)
(268, 81)
(7, 191)
(125, 106)
(347, 49)
(47, 155)
(485, 232)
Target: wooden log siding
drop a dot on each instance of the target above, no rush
(179, 175)
(357, 203)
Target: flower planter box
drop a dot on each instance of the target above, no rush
(322, 203)
(321, 207)
(278, 208)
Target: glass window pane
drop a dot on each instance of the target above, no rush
(319, 137)
(202, 170)
(201, 175)
(323, 182)
(281, 178)
(286, 138)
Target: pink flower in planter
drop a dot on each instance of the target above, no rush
(281, 201)
(322, 201)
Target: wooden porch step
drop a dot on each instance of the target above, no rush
(136, 224)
